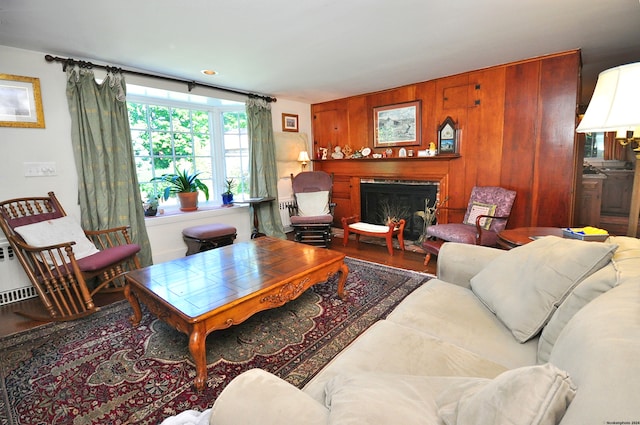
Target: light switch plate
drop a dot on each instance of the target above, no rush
(40, 169)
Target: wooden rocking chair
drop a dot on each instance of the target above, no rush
(65, 264)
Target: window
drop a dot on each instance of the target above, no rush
(172, 131)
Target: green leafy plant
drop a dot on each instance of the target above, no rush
(229, 184)
(182, 181)
(428, 217)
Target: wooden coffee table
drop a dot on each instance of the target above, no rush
(222, 287)
(511, 238)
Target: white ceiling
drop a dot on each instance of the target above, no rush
(314, 51)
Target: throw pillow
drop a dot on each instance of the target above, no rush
(56, 231)
(478, 208)
(524, 286)
(313, 203)
(529, 395)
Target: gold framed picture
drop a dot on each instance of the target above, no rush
(20, 102)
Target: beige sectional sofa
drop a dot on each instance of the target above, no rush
(545, 333)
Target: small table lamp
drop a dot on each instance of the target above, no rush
(303, 157)
(614, 107)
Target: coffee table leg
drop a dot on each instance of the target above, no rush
(197, 348)
(135, 305)
(344, 272)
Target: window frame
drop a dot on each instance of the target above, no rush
(216, 135)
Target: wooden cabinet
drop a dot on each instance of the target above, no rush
(616, 192)
(591, 199)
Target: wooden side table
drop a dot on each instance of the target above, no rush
(511, 238)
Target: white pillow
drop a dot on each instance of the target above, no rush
(313, 203)
(529, 395)
(525, 286)
(58, 230)
(478, 208)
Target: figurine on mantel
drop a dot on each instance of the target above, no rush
(432, 149)
(337, 153)
(324, 152)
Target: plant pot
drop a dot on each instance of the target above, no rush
(188, 201)
(227, 198)
(151, 211)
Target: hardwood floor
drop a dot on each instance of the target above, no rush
(10, 322)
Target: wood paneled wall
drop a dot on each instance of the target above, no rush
(517, 130)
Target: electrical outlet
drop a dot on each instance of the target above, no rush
(40, 169)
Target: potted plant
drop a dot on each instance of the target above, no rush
(186, 186)
(151, 206)
(227, 195)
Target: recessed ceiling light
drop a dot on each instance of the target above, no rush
(208, 72)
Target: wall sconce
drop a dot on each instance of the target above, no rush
(303, 157)
(614, 107)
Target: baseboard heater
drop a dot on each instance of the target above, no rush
(12, 274)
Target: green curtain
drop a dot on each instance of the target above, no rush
(107, 181)
(262, 165)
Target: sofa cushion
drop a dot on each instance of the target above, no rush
(454, 314)
(381, 398)
(623, 263)
(57, 231)
(257, 396)
(600, 348)
(388, 347)
(536, 395)
(524, 286)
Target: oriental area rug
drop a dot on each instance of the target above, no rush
(101, 370)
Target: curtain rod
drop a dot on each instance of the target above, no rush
(190, 84)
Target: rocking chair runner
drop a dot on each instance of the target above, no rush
(67, 265)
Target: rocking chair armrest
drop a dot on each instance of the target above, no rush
(32, 248)
(109, 238)
(105, 231)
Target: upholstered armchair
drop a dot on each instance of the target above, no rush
(311, 213)
(66, 265)
(486, 215)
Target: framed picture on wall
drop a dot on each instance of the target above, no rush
(20, 102)
(448, 137)
(289, 122)
(397, 125)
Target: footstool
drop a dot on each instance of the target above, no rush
(354, 225)
(208, 236)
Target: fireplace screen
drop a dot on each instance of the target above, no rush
(380, 198)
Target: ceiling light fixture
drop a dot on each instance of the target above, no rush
(209, 72)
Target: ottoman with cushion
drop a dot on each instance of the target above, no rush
(208, 236)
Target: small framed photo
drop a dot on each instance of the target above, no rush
(20, 102)
(397, 125)
(289, 122)
(448, 137)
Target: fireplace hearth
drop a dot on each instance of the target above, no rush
(408, 196)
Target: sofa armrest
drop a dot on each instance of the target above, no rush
(458, 263)
(258, 397)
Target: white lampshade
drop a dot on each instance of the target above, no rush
(303, 156)
(615, 104)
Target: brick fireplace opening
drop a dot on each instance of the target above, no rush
(400, 196)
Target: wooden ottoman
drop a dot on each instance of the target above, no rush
(208, 236)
